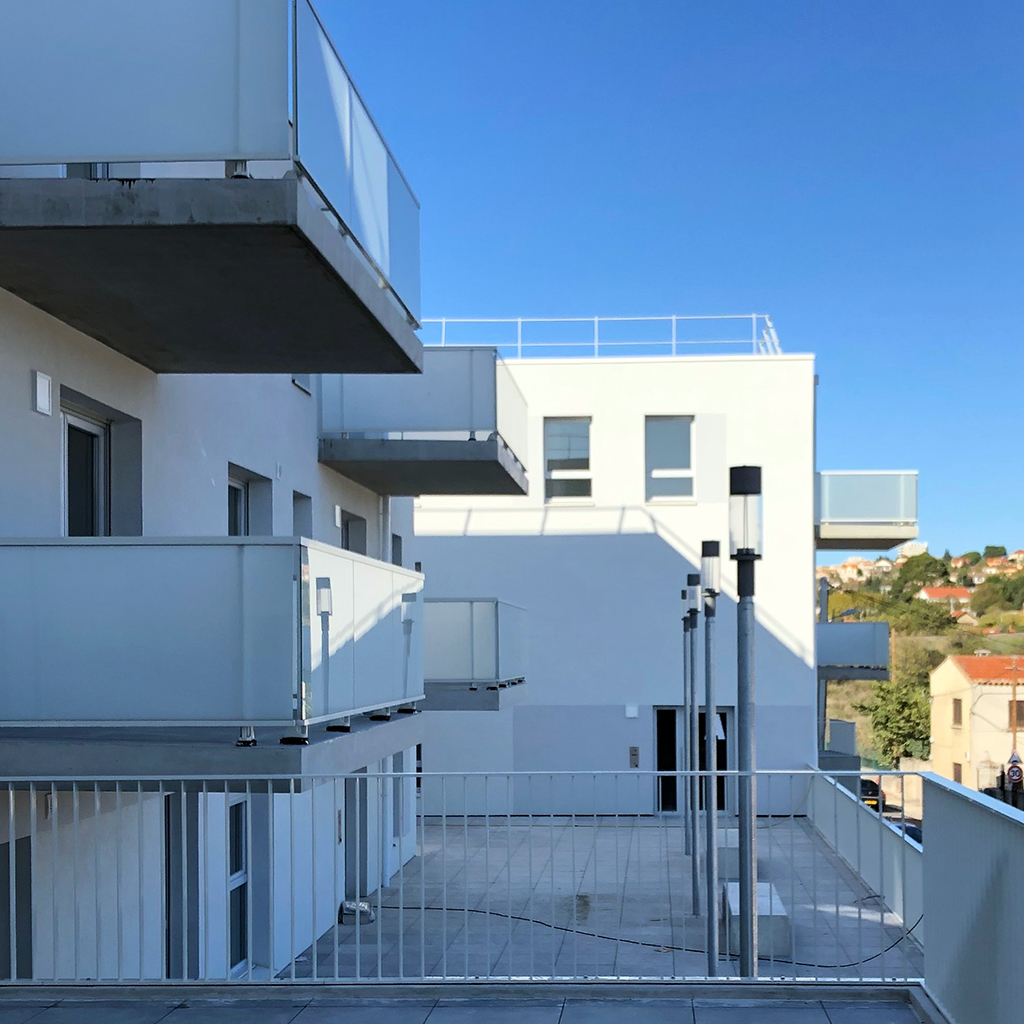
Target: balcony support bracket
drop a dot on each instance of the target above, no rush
(246, 737)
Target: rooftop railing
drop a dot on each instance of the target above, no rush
(138, 90)
(577, 337)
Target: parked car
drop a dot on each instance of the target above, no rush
(872, 794)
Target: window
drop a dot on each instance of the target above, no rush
(353, 532)
(958, 712)
(1020, 714)
(669, 457)
(86, 476)
(238, 508)
(238, 883)
(958, 772)
(302, 515)
(566, 459)
(396, 549)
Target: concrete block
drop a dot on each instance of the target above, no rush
(774, 927)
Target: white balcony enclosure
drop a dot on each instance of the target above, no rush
(472, 651)
(199, 185)
(460, 427)
(853, 650)
(866, 509)
(186, 632)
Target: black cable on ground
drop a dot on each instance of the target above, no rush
(657, 945)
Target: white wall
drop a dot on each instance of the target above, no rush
(887, 861)
(601, 582)
(192, 427)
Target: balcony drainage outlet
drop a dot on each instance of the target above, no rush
(349, 908)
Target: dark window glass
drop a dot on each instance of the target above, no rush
(958, 712)
(567, 488)
(83, 483)
(238, 525)
(567, 444)
(236, 838)
(668, 447)
(396, 549)
(239, 932)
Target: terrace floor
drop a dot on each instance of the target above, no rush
(602, 898)
(322, 1009)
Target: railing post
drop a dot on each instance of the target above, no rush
(711, 795)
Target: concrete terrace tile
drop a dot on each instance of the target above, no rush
(18, 1014)
(627, 1011)
(396, 1013)
(232, 1012)
(85, 1011)
(870, 1012)
(758, 1011)
(496, 1012)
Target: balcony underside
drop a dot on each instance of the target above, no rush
(201, 275)
(862, 536)
(484, 696)
(408, 467)
(847, 673)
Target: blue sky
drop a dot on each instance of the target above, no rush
(853, 169)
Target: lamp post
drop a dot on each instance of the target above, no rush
(693, 739)
(745, 549)
(710, 575)
(682, 790)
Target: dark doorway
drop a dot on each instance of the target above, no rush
(22, 907)
(665, 757)
(721, 756)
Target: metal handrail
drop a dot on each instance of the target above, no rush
(763, 339)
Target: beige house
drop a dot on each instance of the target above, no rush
(972, 709)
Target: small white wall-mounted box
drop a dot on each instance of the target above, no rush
(42, 393)
(632, 711)
(337, 516)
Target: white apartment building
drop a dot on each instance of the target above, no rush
(633, 477)
(194, 587)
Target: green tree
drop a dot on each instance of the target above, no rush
(972, 557)
(992, 551)
(915, 573)
(920, 618)
(988, 598)
(898, 708)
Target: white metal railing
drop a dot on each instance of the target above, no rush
(461, 393)
(265, 87)
(530, 337)
(393, 876)
(867, 497)
(202, 631)
(473, 642)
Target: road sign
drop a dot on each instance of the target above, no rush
(1015, 772)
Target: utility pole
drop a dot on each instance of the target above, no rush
(682, 791)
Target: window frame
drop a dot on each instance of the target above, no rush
(71, 416)
(241, 487)
(568, 474)
(238, 879)
(670, 472)
(958, 713)
(958, 773)
(1009, 714)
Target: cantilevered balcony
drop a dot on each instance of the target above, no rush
(260, 632)
(873, 510)
(853, 650)
(204, 193)
(459, 428)
(474, 654)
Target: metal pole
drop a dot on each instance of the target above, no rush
(711, 792)
(682, 791)
(823, 589)
(692, 782)
(745, 764)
